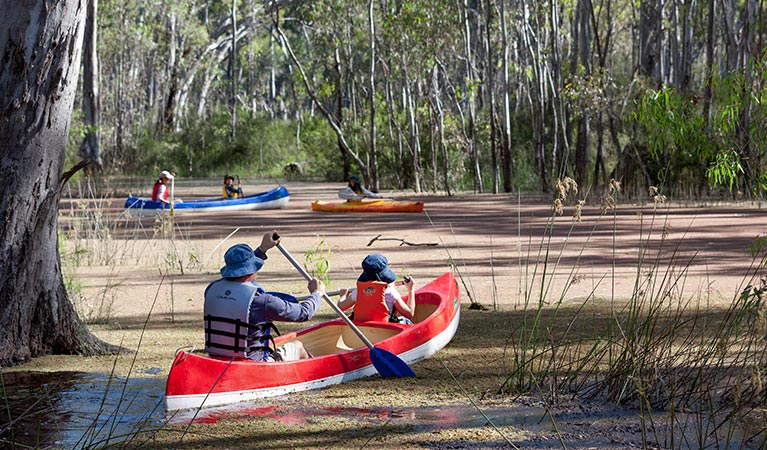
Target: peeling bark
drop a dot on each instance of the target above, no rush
(39, 63)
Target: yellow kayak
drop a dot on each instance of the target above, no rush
(380, 205)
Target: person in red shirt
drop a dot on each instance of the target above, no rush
(160, 189)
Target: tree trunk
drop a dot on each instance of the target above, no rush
(441, 118)
(710, 38)
(506, 157)
(233, 73)
(169, 114)
(89, 149)
(582, 142)
(339, 110)
(414, 136)
(373, 152)
(42, 42)
(491, 94)
(649, 40)
(470, 76)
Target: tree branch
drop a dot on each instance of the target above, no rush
(69, 173)
(402, 242)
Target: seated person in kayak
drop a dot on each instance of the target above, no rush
(239, 314)
(160, 189)
(229, 190)
(355, 191)
(376, 297)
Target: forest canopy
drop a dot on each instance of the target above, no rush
(482, 95)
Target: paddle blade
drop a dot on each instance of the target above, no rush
(388, 364)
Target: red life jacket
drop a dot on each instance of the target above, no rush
(371, 302)
(156, 191)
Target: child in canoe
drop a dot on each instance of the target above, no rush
(376, 297)
(229, 190)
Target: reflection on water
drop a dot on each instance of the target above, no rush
(421, 418)
(76, 410)
(84, 410)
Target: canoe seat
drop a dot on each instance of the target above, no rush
(423, 311)
(341, 344)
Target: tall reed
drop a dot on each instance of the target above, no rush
(696, 374)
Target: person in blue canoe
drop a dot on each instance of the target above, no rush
(355, 191)
(160, 189)
(239, 314)
(229, 190)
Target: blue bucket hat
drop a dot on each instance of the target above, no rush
(375, 267)
(240, 261)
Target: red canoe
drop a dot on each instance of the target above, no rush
(197, 381)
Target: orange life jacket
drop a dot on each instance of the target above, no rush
(371, 302)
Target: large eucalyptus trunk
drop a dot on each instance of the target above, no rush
(41, 41)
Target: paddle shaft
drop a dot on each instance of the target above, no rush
(330, 294)
(338, 292)
(330, 302)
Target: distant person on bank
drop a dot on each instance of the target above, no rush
(229, 190)
(239, 314)
(355, 191)
(160, 189)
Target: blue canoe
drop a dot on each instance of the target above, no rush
(272, 199)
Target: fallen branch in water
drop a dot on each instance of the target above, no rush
(402, 242)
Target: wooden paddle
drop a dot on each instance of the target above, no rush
(386, 363)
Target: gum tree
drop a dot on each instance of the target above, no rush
(40, 44)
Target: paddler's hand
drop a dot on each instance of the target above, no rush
(268, 241)
(316, 285)
(408, 281)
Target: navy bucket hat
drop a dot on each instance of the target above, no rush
(240, 261)
(375, 267)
